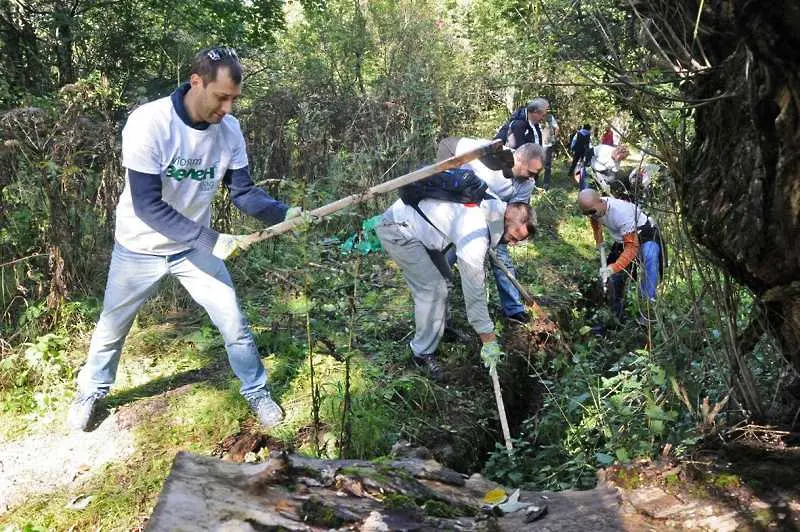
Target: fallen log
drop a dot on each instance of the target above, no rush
(294, 493)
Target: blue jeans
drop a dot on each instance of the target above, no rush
(650, 256)
(510, 298)
(133, 277)
(649, 262)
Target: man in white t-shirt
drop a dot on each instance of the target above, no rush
(176, 151)
(472, 229)
(635, 235)
(605, 164)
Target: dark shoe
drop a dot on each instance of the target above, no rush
(429, 361)
(81, 411)
(521, 317)
(266, 410)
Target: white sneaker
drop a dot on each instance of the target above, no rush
(266, 410)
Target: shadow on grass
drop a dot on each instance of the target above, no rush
(215, 373)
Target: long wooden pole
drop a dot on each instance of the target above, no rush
(501, 408)
(388, 186)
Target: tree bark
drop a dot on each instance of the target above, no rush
(297, 493)
(740, 187)
(63, 20)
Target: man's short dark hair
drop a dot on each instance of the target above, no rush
(588, 127)
(208, 61)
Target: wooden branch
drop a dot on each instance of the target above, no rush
(24, 258)
(388, 186)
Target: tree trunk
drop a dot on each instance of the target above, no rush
(62, 21)
(740, 190)
(407, 493)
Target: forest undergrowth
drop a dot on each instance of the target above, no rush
(333, 328)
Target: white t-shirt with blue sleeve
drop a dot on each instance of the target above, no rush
(191, 163)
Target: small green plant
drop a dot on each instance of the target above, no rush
(47, 359)
(609, 404)
(396, 501)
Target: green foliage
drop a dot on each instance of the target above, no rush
(62, 160)
(32, 377)
(607, 406)
(342, 96)
(54, 44)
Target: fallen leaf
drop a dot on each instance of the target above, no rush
(80, 502)
(495, 496)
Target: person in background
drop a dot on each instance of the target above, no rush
(636, 237)
(176, 152)
(608, 137)
(523, 127)
(605, 165)
(581, 147)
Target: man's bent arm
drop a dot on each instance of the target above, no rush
(630, 247)
(251, 199)
(150, 207)
(473, 286)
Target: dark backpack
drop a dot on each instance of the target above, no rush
(458, 185)
(580, 143)
(502, 133)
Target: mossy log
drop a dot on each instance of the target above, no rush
(289, 492)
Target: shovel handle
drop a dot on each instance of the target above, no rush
(529, 300)
(501, 408)
(603, 264)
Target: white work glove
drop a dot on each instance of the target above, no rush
(227, 245)
(605, 273)
(491, 355)
(293, 212)
(306, 219)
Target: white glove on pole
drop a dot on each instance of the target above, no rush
(605, 273)
(227, 245)
(293, 212)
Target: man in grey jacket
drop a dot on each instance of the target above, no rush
(472, 229)
(515, 184)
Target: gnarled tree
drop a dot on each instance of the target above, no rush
(738, 181)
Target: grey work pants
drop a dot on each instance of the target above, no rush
(428, 287)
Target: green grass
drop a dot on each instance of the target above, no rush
(175, 382)
(125, 493)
